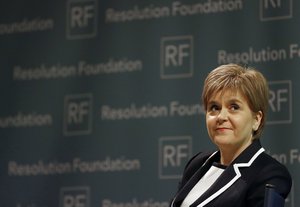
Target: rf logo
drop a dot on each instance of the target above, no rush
(176, 57)
(174, 152)
(75, 197)
(280, 102)
(275, 9)
(81, 19)
(78, 114)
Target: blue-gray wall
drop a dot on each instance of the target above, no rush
(100, 100)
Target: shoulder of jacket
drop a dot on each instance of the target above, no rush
(268, 161)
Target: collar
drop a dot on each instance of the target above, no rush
(232, 173)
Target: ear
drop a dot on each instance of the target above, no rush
(257, 120)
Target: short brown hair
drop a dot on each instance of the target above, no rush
(250, 82)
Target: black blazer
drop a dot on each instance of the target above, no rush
(242, 184)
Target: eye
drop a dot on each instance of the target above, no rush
(234, 107)
(214, 107)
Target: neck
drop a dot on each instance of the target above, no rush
(226, 158)
(228, 154)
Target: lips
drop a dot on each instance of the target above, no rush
(222, 128)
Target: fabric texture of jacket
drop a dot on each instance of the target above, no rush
(242, 184)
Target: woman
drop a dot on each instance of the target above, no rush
(235, 100)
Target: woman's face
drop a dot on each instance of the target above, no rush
(230, 122)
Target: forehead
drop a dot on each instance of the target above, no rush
(229, 95)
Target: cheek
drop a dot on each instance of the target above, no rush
(210, 122)
(243, 124)
(211, 119)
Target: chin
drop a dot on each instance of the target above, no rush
(222, 142)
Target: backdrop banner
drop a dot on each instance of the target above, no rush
(101, 100)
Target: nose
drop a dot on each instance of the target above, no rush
(223, 115)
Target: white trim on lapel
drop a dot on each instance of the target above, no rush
(192, 176)
(236, 167)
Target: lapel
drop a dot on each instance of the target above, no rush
(231, 174)
(227, 179)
